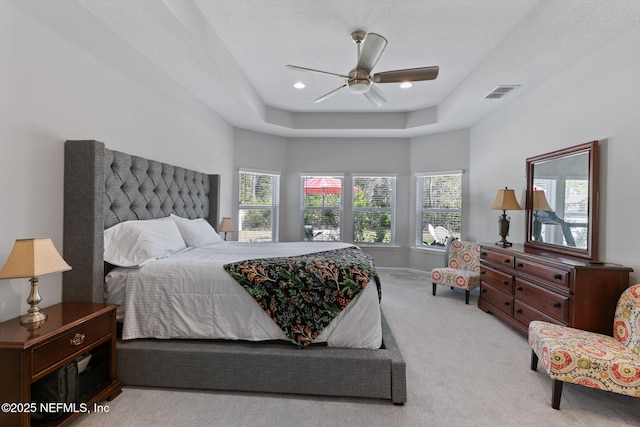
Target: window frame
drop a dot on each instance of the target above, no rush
(420, 226)
(274, 207)
(304, 208)
(391, 209)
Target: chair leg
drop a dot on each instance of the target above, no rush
(556, 394)
(466, 296)
(534, 360)
(434, 288)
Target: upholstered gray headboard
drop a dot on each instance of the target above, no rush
(104, 187)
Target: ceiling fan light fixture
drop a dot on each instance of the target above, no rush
(299, 85)
(359, 86)
(406, 85)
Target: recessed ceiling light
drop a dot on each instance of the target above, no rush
(299, 85)
(405, 85)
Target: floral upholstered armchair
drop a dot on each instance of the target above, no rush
(463, 268)
(590, 359)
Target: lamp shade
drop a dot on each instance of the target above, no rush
(33, 258)
(506, 201)
(540, 201)
(226, 226)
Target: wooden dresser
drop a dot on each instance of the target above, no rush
(519, 286)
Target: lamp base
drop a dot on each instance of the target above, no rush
(503, 228)
(33, 317)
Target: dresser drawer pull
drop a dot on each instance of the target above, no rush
(482, 273)
(556, 304)
(505, 282)
(519, 311)
(506, 303)
(519, 288)
(557, 276)
(483, 254)
(506, 261)
(77, 339)
(519, 265)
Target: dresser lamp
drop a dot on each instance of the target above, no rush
(32, 258)
(539, 204)
(505, 201)
(226, 226)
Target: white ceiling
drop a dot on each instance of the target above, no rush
(232, 55)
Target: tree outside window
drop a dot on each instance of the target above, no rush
(374, 209)
(258, 206)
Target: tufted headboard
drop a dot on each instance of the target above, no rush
(104, 187)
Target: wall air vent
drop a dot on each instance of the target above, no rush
(501, 91)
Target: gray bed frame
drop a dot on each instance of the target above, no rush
(103, 187)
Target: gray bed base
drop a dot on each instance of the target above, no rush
(104, 187)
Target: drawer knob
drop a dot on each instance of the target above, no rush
(519, 265)
(506, 303)
(77, 339)
(519, 311)
(505, 282)
(483, 254)
(557, 276)
(482, 272)
(519, 288)
(556, 304)
(506, 261)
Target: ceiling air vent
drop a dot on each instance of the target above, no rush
(501, 91)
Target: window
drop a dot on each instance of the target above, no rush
(258, 206)
(322, 207)
(438, 207)
(374, 206)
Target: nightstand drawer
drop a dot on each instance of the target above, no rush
(70, 342)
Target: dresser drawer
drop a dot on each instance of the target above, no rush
(543, 272)
(525, 314)
(550, 303)
(76, 340)
(496, 298)
(496, 258)
(497, 279)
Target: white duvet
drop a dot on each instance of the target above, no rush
(190, 295)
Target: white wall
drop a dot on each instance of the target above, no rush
(598, 99)
(51, 90)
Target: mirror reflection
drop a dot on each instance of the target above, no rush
(560, 203)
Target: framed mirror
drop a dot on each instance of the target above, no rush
(562, 201)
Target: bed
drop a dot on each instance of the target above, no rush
(104, 188)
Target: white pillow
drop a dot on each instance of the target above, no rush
(196, 232)
(135, 243)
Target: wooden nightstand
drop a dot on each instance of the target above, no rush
(71, 330)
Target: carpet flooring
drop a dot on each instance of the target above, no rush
(464, 368)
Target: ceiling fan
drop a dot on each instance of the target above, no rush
(360, 80)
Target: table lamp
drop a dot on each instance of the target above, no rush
(32, 258)
(505, 201)
(226, 226)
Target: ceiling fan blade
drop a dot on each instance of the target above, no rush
(407, 75)
(327, 95)
(295, 67)
(375, 96)
(372, 48)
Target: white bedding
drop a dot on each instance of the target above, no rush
(190, 295)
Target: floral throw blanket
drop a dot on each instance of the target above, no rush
(303, 294)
